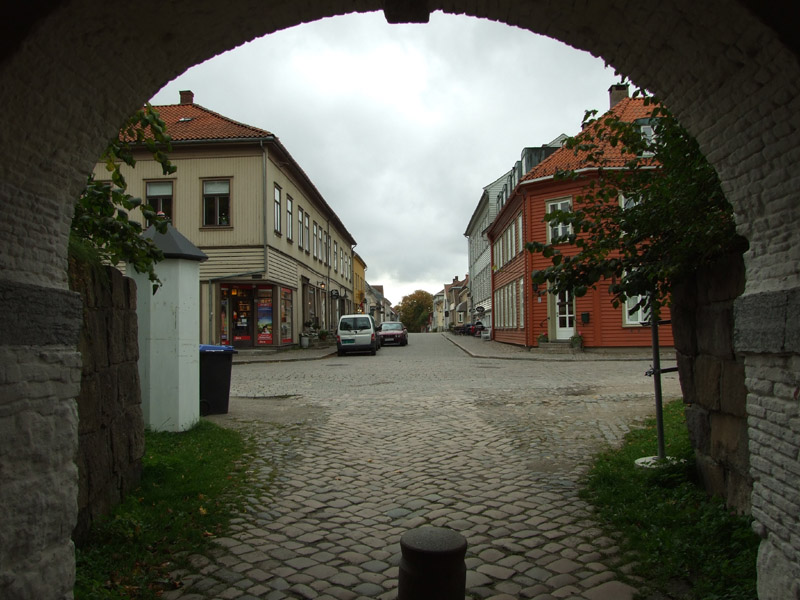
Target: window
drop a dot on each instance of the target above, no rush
(159, 196)
(559, 231)
(335, 252)
(278, 213)
(289, 217)
(319, 239)
(217, 203)
(638, 316)
(315, 238)
(341, 260)
(300, 228)
(325, 249)
(305, 228)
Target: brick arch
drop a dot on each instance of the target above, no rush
(72, 70)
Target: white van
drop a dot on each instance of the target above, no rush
(356, 333)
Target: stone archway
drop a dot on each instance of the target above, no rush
(73, 69)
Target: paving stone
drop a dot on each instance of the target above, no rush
(348, 473)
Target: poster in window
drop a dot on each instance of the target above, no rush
(286, 315)
(264, 321)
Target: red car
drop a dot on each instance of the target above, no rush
(393, 332)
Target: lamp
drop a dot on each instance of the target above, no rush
(321, 285)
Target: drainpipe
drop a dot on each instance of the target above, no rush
(264, 198)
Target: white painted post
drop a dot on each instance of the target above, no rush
(169, 336)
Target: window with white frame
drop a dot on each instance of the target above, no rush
(306, 232)
(217, 203)
(159, 197)
(315, 240)
(300, 228)
(289, 218)
(558, 232)
(277, 203)
(319, 241)
(522, 303)
(335, 253)
(639, 314)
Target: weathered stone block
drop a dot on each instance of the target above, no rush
(697, 422)
(714, 327)
(707, 372)
(733, 392)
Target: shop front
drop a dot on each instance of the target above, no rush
(256, 315)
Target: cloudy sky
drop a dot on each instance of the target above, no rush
(401, 126)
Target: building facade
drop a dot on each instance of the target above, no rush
(526, 314)
(278, 255)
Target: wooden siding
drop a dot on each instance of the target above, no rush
(231, 261)
(282, 269)
(606, 326)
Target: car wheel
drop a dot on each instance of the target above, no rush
(373, 351)
(340, 352)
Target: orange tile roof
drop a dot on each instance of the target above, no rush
(568, 159)
(192, 122)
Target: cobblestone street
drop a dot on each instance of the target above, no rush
(489, 440)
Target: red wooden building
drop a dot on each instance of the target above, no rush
(524, 314)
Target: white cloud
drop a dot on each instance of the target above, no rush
(407, 121)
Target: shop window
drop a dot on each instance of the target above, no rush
(287, 331)
(264, 316)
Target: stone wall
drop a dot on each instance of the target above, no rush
(110, 427)
(713, 379)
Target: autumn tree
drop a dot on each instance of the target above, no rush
(415, 309)
(102, 230)
(643, 227)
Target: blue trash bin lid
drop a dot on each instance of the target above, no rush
(212, 348)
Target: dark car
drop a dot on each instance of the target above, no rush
(393, 332)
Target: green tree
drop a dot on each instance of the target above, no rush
(645, 226)
(101, 228)
(414, 310)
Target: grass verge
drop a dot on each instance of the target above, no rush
(186, 496)
(682, 543)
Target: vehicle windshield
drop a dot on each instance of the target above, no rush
(392, 327)
(354, 324)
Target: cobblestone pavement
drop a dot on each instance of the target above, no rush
(352, 452)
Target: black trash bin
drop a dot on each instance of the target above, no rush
(215, 379)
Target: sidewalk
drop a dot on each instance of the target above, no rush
(474, 346)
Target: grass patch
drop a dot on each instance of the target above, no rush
(186, 497)
(670, 529)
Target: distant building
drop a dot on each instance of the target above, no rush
(278, 255)
(524, 314)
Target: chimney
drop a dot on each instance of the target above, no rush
(455, 280)
(617, 92)
(187, 97)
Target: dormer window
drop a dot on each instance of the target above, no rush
(647, 131)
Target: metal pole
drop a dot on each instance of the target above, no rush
(657, 383)
(432, 565)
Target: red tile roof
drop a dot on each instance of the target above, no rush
(568, 159)
(192, 122)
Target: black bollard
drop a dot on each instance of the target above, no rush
(432, 566)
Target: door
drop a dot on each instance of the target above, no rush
(565, 315)
(242, 321)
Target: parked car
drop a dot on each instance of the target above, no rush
(356, 333)
(393, 332)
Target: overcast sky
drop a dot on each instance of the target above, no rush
(401, 126)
